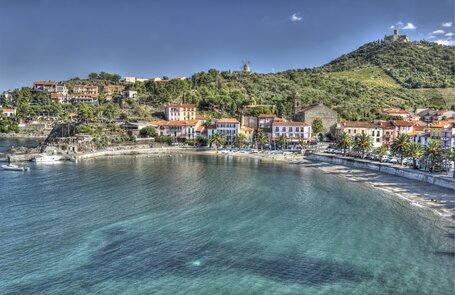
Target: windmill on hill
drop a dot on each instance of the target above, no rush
(246, 66)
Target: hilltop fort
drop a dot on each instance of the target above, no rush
(396, 38)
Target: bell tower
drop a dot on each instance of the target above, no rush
(297, 103)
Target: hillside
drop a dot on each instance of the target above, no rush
(359, 85)
(413, 65)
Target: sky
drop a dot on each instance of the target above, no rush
(60, 39)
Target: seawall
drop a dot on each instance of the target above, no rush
(409, 173)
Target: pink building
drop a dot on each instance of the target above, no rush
(180, 112)
(188, 129)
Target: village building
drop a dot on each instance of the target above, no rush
(129, 94)
(46, 86)
(228, 127)
(293, 131)
(8, 112)
(187, 129)
(176, 112)
(249, 132)
(113, 89)
(389, 133)
(60, 97)
(398, 113)
(60, 88)
(373, 130)
(402, 126)
(7, 97)
(82, 98)
(308, 114)
(443, 131)
(87, 90)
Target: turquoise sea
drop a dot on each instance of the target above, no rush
(211, 225)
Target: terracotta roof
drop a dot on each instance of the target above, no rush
(200, 128)
(199, 117)
(85, 86)
(401, 123)
(420, 128)
(228, 120)
(246, 129)
(266, 116)
(289, 124)
(361, 124)
(437, 124)
(182, 105)
(72, 115)
(49, 83)
(174, 123)
(8, 110)
(395, 112)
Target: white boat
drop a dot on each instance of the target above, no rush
(12, 167)
(47, 159)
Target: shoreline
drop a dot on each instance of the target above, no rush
(411, 192)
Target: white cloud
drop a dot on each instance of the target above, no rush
(398, 25)
(450, 34)
(447, 42)
(438, 32)
(409, 26)
(295, 17)
(446, 24)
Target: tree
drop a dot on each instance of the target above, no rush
(282, 141)
(415, 152)
(317, 126)
(86, 111)
(400, 146)
(262, 139)
(382, 151)
(433, 152)
(344, 142)
(363, 143)
(93, 76)
(148, 131)
(218, 139)
(240, 140)
(451, 157)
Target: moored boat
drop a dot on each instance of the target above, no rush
(12, 167)
(47, 159)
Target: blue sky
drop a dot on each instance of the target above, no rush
(60, 39)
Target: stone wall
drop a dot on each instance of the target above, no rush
(409, 173)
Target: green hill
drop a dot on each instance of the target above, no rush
(414, 65)
(359, 85)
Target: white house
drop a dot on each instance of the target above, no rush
(175, 112)
(129, 94)
(294, 131)
(9, 112)
(228, 127)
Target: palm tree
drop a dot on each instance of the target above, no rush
(451, 157)
(415, 152)
(240, 140)
(400, 146)
(433, 151)
(218, 140)
(382, 151)
(282, 141)
(262, 139)
(344, 142)
(363, 143)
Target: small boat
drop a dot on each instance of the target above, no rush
(47, 159)
(12, 167)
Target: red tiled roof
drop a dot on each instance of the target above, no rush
(246, 129)
(401, 123)
(8, 110)
(266, 116)
(174, 123)
(289, 124)
(200, 128)
(395, 112)
(182, 105)
(360, 124)
(48, 83)
(228, 120)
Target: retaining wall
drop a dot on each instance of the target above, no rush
(409, 173)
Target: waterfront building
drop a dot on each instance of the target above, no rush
(328, 116)
(402, 126)
(46, 86)
(265, 122)
(176, 112)
(375, 131)
(389, 133)
(442, 131)
(229, 128)
(248, 131)
(293, 131)
(188, 129)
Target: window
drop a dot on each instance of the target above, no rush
(290, 129)
(283, 129)
(277, 129)
(355, 131)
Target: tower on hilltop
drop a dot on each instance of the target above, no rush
(396, 37)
